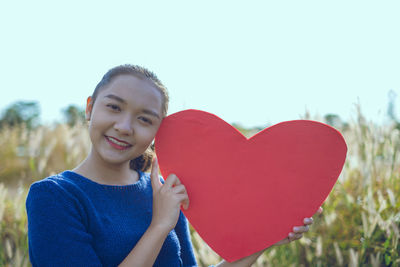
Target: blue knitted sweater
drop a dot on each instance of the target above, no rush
(74, 221)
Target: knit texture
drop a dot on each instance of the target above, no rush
(74, 221)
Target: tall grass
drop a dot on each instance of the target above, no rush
(359, 226)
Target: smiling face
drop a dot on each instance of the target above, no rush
(124, 119)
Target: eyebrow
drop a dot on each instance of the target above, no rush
(146, 111)
(152, 113)
(117, 98)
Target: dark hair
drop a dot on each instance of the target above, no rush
(143, 162)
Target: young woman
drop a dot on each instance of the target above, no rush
(107, 211)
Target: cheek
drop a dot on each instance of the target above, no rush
(147, 135)
(90, 129)
(96, 127)
(150, 136)
(155, 129)
(93, 134)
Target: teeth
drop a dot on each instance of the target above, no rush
(117, 142)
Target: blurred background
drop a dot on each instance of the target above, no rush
(253, 64)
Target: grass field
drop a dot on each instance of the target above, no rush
(359, 226)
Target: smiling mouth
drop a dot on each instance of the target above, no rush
(118, 144)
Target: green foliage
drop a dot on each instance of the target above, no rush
(335, 121)
(247, 132)
(73, 115)
(21, 113)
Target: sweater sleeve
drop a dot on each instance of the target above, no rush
(182, 231)
(56, 233)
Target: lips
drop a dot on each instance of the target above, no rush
(116, 143)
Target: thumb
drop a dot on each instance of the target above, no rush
(155, 179)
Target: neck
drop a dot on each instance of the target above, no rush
(105, 173)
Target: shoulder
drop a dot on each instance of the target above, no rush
(56, 187)
(57, 198)
(51, 183)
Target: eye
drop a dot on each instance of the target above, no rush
(114, 107)
(146, 120)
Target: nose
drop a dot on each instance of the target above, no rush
(124, 125)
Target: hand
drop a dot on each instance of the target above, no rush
(296, 234)
(167, 199)
(298, 231)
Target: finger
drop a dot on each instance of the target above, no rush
(185, 203)
(308, 221)
(172, 180)
(184, 200)
(291, 236)
(179, 189)
(300, 229)
(298, 236)
(155, 179)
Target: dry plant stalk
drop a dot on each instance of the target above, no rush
(359, 226)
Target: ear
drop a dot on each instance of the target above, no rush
(89, 106)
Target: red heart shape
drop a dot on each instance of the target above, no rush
(247, 194)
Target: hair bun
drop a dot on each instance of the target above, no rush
(143, 162)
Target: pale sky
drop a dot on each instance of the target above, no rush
(250, 62)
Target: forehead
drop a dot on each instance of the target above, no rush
(133, 90)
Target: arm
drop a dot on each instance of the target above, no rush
(56, 234)
(147, 249)
(167, 200)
